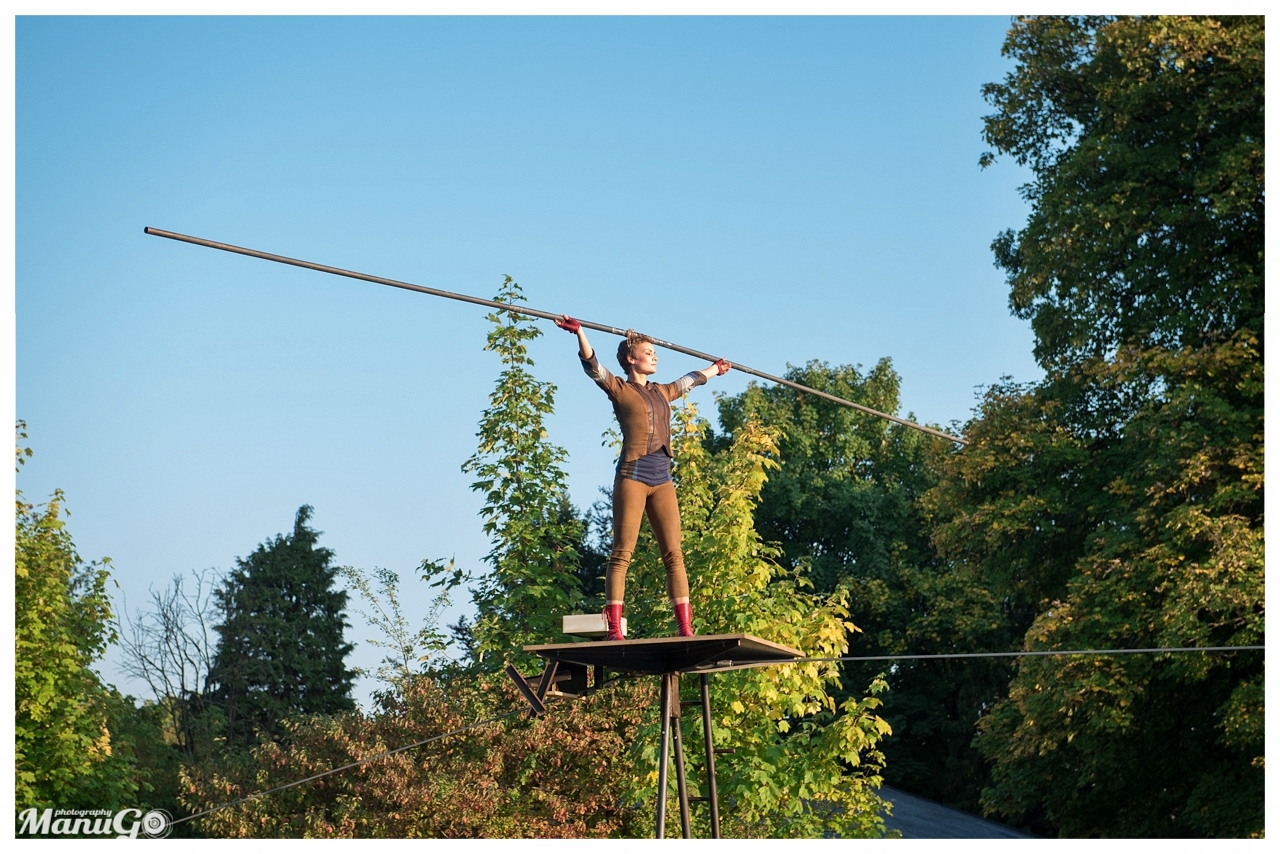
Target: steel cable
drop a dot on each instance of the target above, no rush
(1025, 653)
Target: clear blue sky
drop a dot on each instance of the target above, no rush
(774, 190)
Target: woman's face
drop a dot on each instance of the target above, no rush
(644, 359)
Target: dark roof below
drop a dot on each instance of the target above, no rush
(919, 818)
(669, 655)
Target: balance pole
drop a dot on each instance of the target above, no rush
(533, 312)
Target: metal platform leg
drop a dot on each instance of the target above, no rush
(664, 748)
(711, 756)
(682, 782)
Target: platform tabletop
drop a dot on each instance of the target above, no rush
(670, 655)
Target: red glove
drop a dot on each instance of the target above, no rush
(568, 324)
(722, 367)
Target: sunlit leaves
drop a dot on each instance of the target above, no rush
(797, 768)
(1119, 501)
(65, 755)
(1145, 136)
(518, 471)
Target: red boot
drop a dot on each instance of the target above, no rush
(613, 618)
(684, 620)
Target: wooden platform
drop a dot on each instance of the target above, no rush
(705, 654)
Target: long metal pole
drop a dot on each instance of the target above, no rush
(545, 315)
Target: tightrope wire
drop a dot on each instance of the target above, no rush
(1024, 653)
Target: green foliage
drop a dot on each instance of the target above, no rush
(803, 764)
(1145, 136)
(65, 753)
(1167, 551)
(844, 504)
(843, 497)
(1118, 503)
(554, 776)
(144, 730)
(410, 652)
(281, 650)
(533, 560)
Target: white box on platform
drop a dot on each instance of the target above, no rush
(587, 625)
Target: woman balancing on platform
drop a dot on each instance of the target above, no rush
(643, 481)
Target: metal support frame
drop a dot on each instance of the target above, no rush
(709, 741)
(669, 705)
(668, 658)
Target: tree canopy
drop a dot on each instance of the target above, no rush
(533, 561)
(1116, 503)
(66, 754)
(1119, 501)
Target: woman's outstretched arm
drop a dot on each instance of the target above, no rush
(716, 368)
(568, 324)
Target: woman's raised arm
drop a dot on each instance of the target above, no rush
(568, 324)
(717, 368)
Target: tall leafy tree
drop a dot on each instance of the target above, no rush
(843, 497)
(806, 755)
(1118, 503)
(533, 561)
(843, 505)
(281, 648)
(66, 754)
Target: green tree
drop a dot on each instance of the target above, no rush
(66, 754)
(281, 648)
(533, 561)
(844, 506)
(554, 776)
(1145, 139)
(409, 652)
(804, 764)
(1118, 503)
(843, 498)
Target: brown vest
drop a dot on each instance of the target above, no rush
(643, 411)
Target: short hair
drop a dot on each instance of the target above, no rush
(633, 339)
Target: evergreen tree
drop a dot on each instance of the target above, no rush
(281, 649)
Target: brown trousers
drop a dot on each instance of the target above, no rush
(631, 500)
